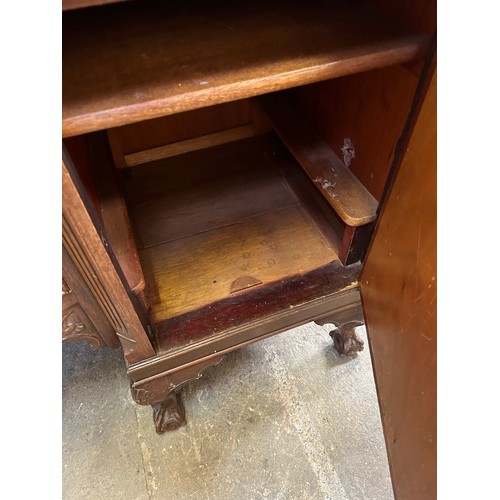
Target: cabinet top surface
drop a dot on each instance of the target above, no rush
(128, 62)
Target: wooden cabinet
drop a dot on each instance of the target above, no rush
(224, 166)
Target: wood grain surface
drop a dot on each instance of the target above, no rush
(199, 191)
(114, 214)
(133, 61)
(398, 287)
(178, 148)
(192, 272)
(216, 222)
(158, 132)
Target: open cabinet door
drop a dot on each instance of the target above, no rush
(398, 290)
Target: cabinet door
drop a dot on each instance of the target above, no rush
(398, 289)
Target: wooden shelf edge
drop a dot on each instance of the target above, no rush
(79, 4)
(344, 192)
(95, 120)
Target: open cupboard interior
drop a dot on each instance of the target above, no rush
(234, 154)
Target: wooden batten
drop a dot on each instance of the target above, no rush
(344, 192)
(188, 145)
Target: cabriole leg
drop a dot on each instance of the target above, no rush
(345, 338)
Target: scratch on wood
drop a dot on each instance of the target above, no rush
(326, 185)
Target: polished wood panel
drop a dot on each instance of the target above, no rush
(398, 288)
(140, 60)
(421, 16)
(78, 150)
(347, 196)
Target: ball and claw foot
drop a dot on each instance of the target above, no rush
(346, 340)
(169, 414)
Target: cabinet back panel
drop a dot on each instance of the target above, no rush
(179, 127)
(416, 15)
(199, 191)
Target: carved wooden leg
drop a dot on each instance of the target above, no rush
(162, 394)
(346, 340)
(169, 414)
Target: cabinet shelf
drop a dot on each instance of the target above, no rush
(217, 226)
(133, 61)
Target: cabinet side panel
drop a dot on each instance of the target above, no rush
(361, 117)
(398, 289)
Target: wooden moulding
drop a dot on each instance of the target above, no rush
(174, 133)
(98, 330)
(135, 61)
(266, 313)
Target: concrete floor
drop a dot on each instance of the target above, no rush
(285, 418)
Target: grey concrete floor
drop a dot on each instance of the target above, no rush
(285, 418)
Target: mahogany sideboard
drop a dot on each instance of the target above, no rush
(232, 170)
